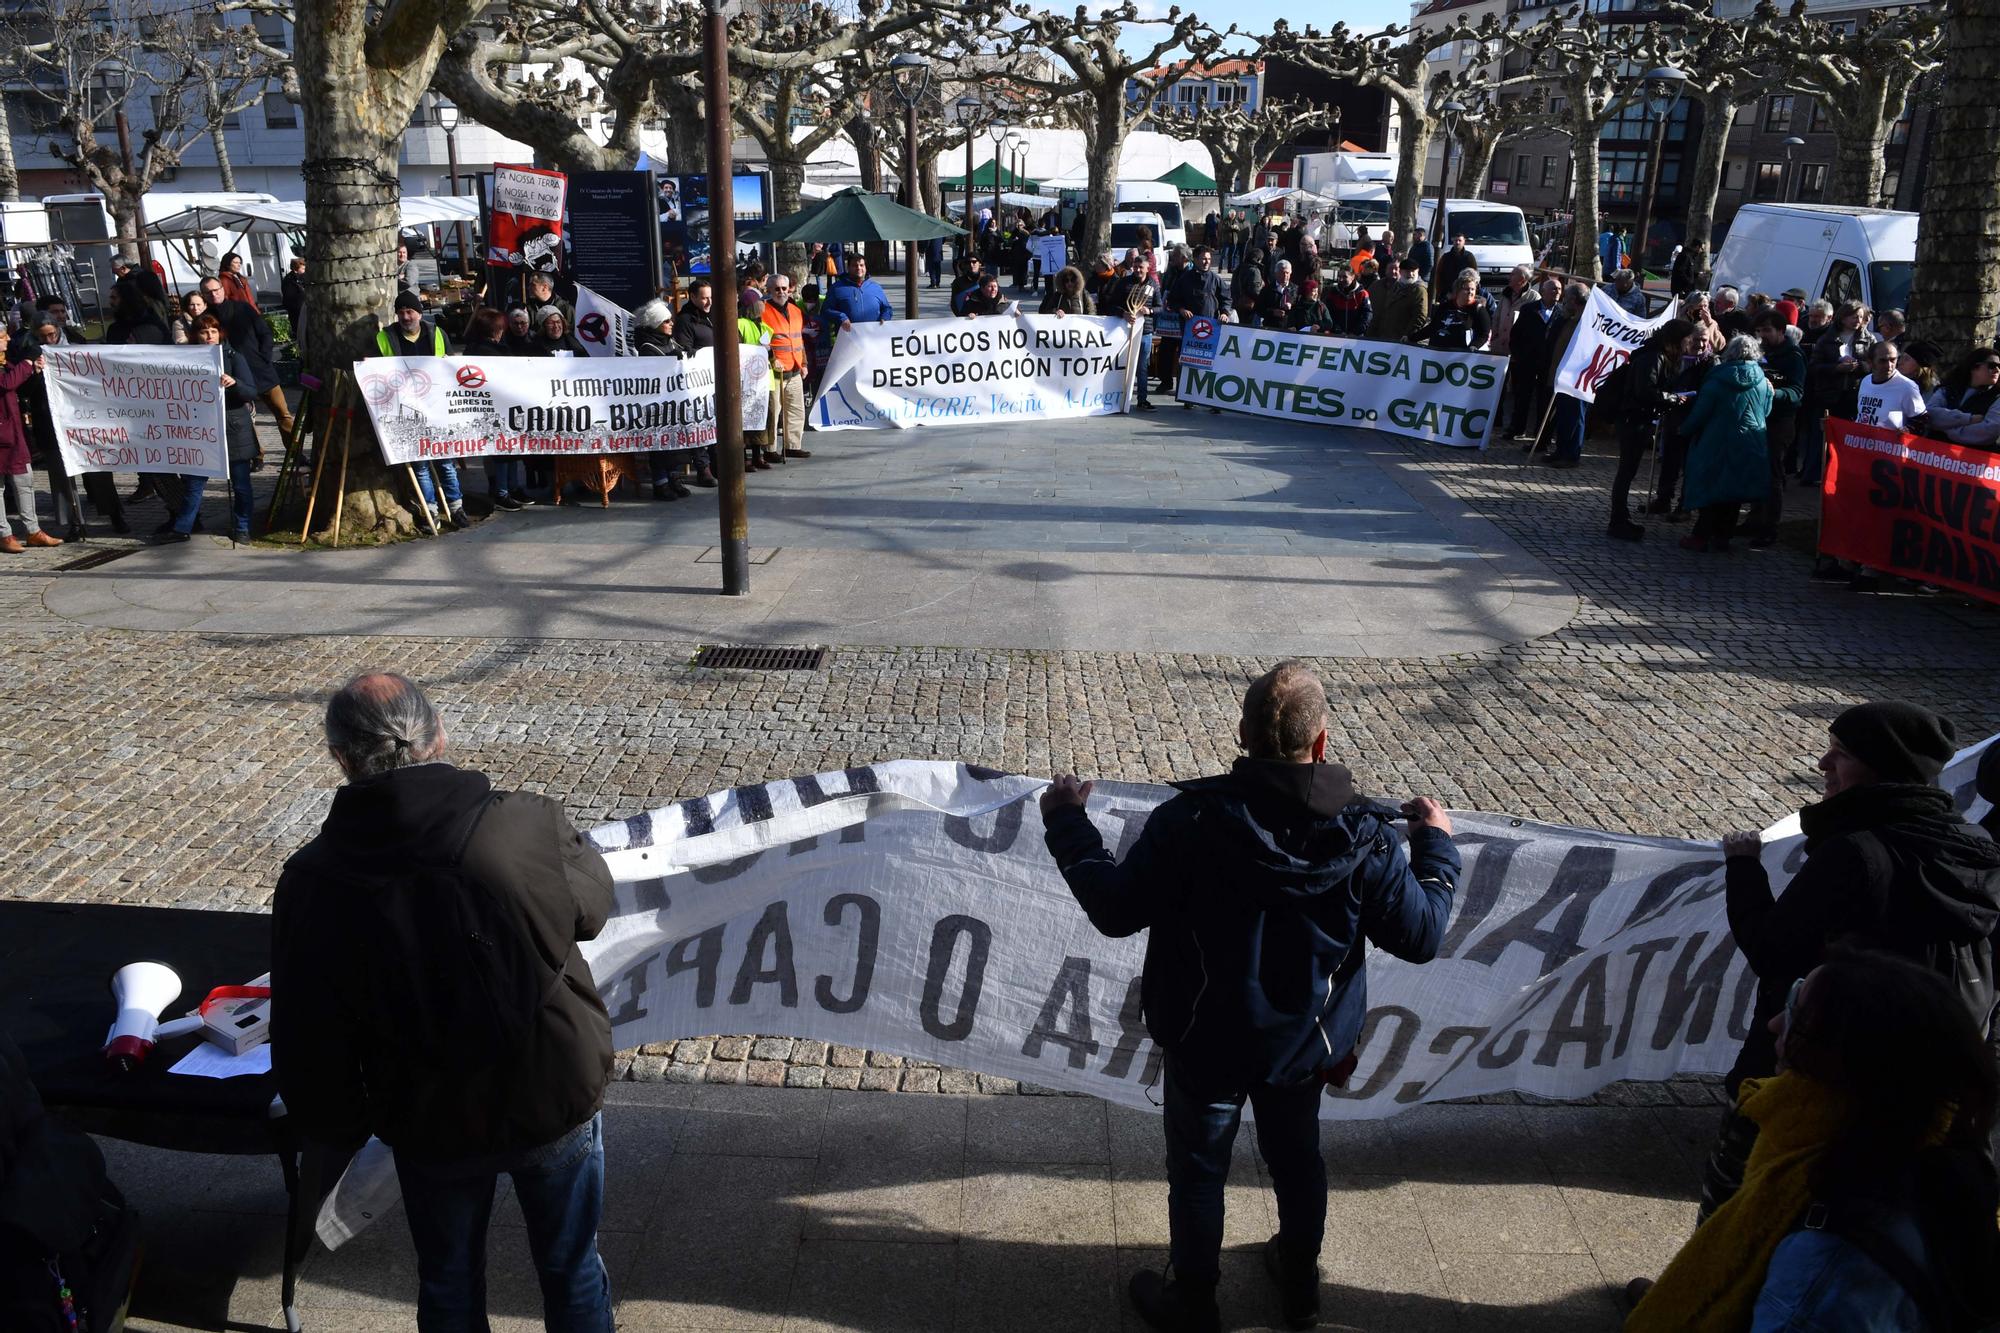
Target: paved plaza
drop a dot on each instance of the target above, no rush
(1090, 596)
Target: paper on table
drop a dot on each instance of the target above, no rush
(207, 1061)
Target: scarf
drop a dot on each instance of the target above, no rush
(1872, 806)
(1712, 1284)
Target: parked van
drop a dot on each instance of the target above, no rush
(1155, 197)
(1497, 235)
(1839, 254)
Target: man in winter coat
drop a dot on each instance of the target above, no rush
(427, 989)
(1195, 290)
(1444, 275)
(1258, 889)
(1348, 310)
(1644, 395)
(1890, 864)
(1566, 422)
(695, 329)
(1785, 368)
(1528, 355)
(1402, 304)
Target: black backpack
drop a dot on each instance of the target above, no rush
(1615, 389)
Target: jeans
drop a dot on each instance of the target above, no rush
(506, 476)
(239, 496)
(24, 492)
(1201, 1127)
(190, 505)
(453, 496)
(561, 1190)
(1764, 515)
(1145, 363)
(1566, 436)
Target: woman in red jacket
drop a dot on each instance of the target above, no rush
(14, 459)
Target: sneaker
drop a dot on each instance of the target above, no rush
(506, 502)
(458, 518)
(705, 478)
(169, 537)
(1174, 1307)
(1625, 530)
(1298, 1284)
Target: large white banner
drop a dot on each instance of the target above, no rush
(448, 407)
(1444, 397)
(911, 907)
(1604, 341)
(937, 372)
(603, 327)
(137, 408)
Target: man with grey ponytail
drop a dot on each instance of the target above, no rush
(1259, 888)
(427, 989)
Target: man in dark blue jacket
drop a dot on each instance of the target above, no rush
(1259, 888)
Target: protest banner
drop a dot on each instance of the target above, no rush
(524, 218)
(910, 907)
(1051, 251)
(427, 408)
(1604, 340)
(137, 408)
(931, 372)
(604, 328)
(1444, 397)
(613, 238)
(1922, 509)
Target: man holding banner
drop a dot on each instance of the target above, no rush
(1258, 888)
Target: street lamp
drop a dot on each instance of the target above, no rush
(998, 129)
(966, 112)
(1792, 145)
(1664, 87)
(1448, 115)
(445, 115)
(911, 75)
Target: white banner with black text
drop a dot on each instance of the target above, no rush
(137, 408)
(941, 372)
(1603, 341)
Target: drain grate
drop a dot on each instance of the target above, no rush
(759, 657)
(94, 559)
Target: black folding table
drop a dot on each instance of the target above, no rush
(56, 961)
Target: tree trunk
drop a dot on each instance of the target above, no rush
(1957, 286)
(868, 163)
(1409, 184)
(683, 109)
(1104, 143)
(1475, 163)
(225, 170)
(1583, 229)
(10, 177)
(927, 185)
(1718, 111)
(787, 175)
(1861, 134)
(122, 202)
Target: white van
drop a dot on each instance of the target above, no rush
(1155, 197)
(1839, 254)
(1497, 235)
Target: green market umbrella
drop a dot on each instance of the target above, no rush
(982, 179)
(852, 215)
(1188, 177)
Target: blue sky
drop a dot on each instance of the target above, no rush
(1258, 15)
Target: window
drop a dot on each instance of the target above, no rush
(1548, 171)
(1819, 122)
(1778, 113)
(1558, 105)
(1524, 163)
(30, 113)
(1899, 132)
(1635, 123)
(1770, 183)
(1811, 188)
(279, 112)
(1843, 282)
(1732, 175)
(1621, 177)
(1892, 185)
(271, 29)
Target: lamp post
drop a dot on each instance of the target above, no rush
(966, 112)
(735, 513)
(1664, 87)
(1792, 146)
(1448, 116)
(446, 116)
(911, 75)
(998, 129)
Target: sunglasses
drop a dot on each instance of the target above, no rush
(1988, 365)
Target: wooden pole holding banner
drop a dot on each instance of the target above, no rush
(429, 521)
(1536, 442)
(319, 463)
(340, 487)
(294, 462)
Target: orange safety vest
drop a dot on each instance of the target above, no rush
(788, 347)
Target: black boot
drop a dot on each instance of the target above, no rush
(1297, 1277)
(1624, 529)
(1176, 1306)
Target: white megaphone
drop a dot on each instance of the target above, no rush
(142, 991)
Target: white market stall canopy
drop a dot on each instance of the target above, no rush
(1008, 199)
(420, 210)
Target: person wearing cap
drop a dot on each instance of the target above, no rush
(751, 331)
(1890, 864)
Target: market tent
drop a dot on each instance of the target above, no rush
(1189, 179)
(1033, 202)
(1268, 194)
(852, 215)
(417, 210)
(982, 177)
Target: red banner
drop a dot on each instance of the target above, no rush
(1922, 509)
(524, 218)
